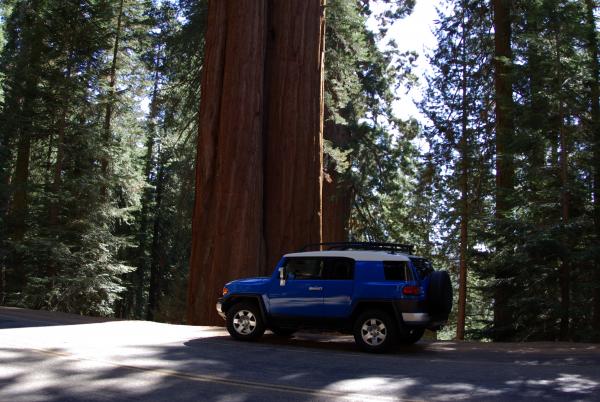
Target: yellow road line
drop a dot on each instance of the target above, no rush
(228, 381)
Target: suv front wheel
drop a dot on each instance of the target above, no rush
(374, 331)
(244, 322)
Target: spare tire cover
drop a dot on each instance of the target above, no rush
(439, 294)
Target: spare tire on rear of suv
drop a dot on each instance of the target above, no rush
(439, 295)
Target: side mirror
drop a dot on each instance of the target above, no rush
(282, 276)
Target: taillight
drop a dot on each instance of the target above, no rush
(225, 291)
(411, 290)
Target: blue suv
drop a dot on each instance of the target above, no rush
(379, 292)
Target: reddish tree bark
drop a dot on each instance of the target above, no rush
(293, 170)
(227, 226)
(259, 162)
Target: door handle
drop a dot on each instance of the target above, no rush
(315, 288)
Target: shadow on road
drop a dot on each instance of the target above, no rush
(244, 372)
(144, 361)
(516, 353)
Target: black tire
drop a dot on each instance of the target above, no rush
(439, 295)
(244, 322)
(283, 332)
(374, 331)
(410, 336)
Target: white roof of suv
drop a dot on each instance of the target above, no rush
(357, 255)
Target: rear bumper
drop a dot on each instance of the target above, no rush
(415, 318)
(414, 313)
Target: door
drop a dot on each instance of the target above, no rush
(302, 294)
(338, 286)
(317, 287)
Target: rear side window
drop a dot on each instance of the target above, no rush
(338, 268)
(397, 271)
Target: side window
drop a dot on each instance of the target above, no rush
(397, 271)
(338, 268)
(303, 268)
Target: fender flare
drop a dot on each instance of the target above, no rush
(236, 298)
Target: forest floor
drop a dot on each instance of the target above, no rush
(46, 356)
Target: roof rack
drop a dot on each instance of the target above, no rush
(390, 247)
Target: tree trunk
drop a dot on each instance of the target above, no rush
(565, 266)
(20, 182)
(464, 193)
(259, 169)
(337, 192)
(537, 105)
(112, 83)
(504, 165)
(138, 277)
(337, 205)
(595, 125)
(53, 210)
(156, 273)
(227, 226)
(5, 159)
(294, 132)
(23, 113)
(564, 280)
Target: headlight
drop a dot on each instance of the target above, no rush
(225, 291)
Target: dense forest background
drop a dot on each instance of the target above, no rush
(99, 122)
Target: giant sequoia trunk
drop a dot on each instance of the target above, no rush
(227, 227)
(258, 171)
(293, 169)
(504, 133)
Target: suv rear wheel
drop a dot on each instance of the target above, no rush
(244, 322)
(374, 331)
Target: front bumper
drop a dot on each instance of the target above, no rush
(219, 307)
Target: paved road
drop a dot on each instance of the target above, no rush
(60, 357)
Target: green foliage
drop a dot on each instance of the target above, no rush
(172, 63)
(458, 104)
(69, 257)
(108, 193)
(375, 153)
(524, 251)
